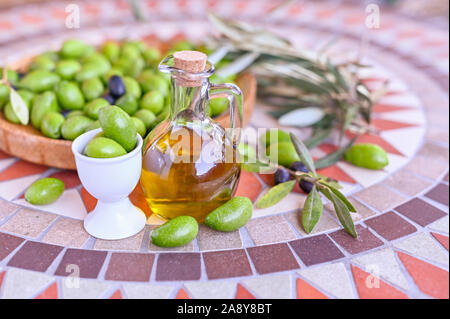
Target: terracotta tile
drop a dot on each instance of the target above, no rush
(49, 293)
(336, 173)
(116, 295)
(434, 167)
(248, 186)
(430, 279)
(382, 108)
(6, 208)
(365, 241)
(407, 183)
(89, 201)
(178, 266)
(3, 155)
(7, 244)
(226, 264)
(242, 293)
(89, 262)
(380, 197)
(386, 125)
(371, 287)
(35, 256)
(267, 230)
(209, 239)
(2, 276)
(130, 243)
(68, 233)
(130, 267)
(70, 178)
(138, 199)
(420, 212)
(268, 179)
(442, 239)
(21, 168)
(390, 226)
(324, 224)
(182, 294)
(272, 258)
(306, 291)
(316, 250)
(439, 194)
(28, 222)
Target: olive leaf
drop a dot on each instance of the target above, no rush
(342, 212)
(275, 194)
(303, 153)
(341, 196)
(312, 210)
(334, 157)
(19, 107)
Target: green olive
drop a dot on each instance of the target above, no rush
(92, 88)
(135, 68)
(130, 51)
(230, 216)
(367, 155)
(94, 125)
(217, 106)
(118, 125)
(74, 49)
(27, 98)
(74, 113)
(70, 96)
(42, 63)
(153, 101)
(39, 81)
(13, 76)
(102, 147)
(150, 81)
(111, 50)
(274, 136)
(44, 191)
(151, 55)
(51, 124)
(4, 95)
(10, 115)
(146, 116)
(67, 69)
(283, 153)
(128, 103)
(99, 60)
(140, 126)
(75, 126)
(91, 109)
(43, 103)
(176, 232)
(132, 87)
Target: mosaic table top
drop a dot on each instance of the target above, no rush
(402, 220)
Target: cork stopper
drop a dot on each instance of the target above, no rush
(192, 62)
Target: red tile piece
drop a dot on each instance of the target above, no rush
(442, 239)
(242, 293)
(2, 276)
(390, 226)
(387, 125)
(3, 155)
(430, 279)
(89, 262)
(226, 264)
(182, 294)
(420, 212)
(138, 199)
(383, 108)
(7, 244)
(89, 200)
(178, 266)
(272, 258)
(70, 178)
(49, 293)
(21, 168)
(249, 186)
(365, 241)
(371, 287)
(268, 179)
(119, 267)
(116, 295)
(316, 249)
(440, 194)
(306, 291)
(35, 256)
(336, 173)
(375, 139)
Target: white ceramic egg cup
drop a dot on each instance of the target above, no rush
(110, 180)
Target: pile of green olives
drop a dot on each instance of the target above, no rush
(64, 90)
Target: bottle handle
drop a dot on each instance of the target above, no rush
(235, 98)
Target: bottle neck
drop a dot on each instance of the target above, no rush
(190, 100)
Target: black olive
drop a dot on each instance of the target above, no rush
(281, 176)
(298, 166)
(108, 97)
(306, 186)
(116, 86)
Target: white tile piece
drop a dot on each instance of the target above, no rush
(408, 117)
(212, 289)
(383, 263)
(422, 245)
(291, 202)
(440, 225)
(4, 163)
(271, 287)
(363, 176)
(332, 278)
(395, 162)
(406, 100)
(144, 291)
(12, 188)
(405, 140)
(23, 284)
(69, 204)
(83, 289)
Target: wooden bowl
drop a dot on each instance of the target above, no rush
(31, 145)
